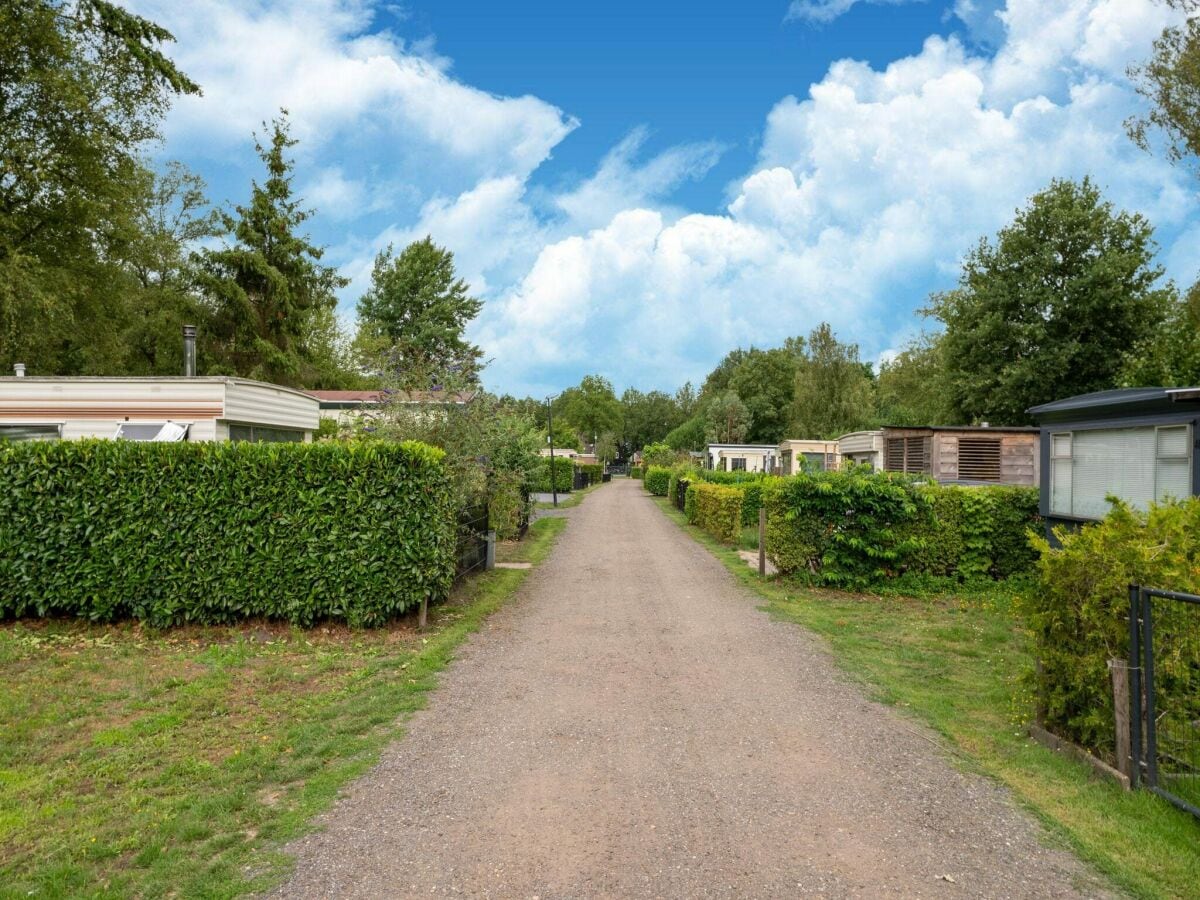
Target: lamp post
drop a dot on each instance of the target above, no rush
(550, 437)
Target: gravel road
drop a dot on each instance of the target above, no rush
(632, 726)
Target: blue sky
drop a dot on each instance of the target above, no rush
(636, 188)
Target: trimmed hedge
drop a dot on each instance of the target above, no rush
(689, 503)
(658, 480)
(1078, 616)
(592, 471)
(854, 528)
(716, 476)
(564, 475)
(718, 510)
(679, 474)
(636, 472)
(211, 533)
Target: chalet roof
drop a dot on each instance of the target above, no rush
(360, 398)
(1119, 403)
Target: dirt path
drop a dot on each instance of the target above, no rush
(634, 727)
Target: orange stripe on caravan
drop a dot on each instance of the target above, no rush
(112, 412)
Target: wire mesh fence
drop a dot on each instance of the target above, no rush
(1165, 695)
(472, 538)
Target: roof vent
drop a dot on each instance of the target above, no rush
(19, 370)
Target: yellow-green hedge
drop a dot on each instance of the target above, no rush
(718, 510)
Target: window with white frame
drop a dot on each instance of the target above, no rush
(1138, 465)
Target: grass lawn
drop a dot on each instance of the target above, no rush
(146, 763)
(958, 663)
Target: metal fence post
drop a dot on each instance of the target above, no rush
(1135, 687)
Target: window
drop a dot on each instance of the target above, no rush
(907, 454)
(1138, 465)
(738, 464)
(30, 432)
(979, 459)
(815, 462)
(151, 431)
(263, 434)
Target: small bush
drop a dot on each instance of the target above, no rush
(658, 480)
(718, 510)
(211, 533)
(564, 476)
(636, 472)
(1078, 615)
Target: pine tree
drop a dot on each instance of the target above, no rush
(268, 286)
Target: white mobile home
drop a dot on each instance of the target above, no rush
(198, 408)
(742, 457)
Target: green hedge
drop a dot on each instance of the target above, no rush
(689, 503)
(752, 496)
(1078, 616)
(855, 528)
(658, 480)
(718, 510)
(636, 472)
(716, 476)
(216, 532)
(681, 473)
(593, 471)
(564, 475)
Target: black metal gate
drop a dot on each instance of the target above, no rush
(1164, 659)
(472, 538)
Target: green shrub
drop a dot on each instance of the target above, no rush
(846, 527)
(1078, 615)
(659, 455)
(564, 475)
(855, 527)
(212, 533)
(718, 510)
(636, 472)
(689, 503)
(658, 480)
(716, 476)
(593, 471)
(752, 497)
(508, 507)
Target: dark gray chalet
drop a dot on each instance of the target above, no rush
(1137, 444)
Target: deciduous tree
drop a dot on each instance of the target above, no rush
(1050, 308)
(833, 393)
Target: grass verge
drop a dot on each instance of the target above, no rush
(136, 762)
(959, 664)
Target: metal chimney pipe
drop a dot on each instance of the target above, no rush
(19, 369)
(189, 351)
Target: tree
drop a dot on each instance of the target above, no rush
(1170, 355)
(910, 390)
(591, 409)
(765, 380)
(726, 419)
(688, 436)
(1170, 81)
(833, 393)
(647, 417)
(173, 216)
(83, 87)
(415, 312)
(268, 285)
(1050, 309)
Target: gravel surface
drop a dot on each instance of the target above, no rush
(633, 726)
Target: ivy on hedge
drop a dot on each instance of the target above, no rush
(1078, 616)
(717, 509)
(212, 533)
(658, 480)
